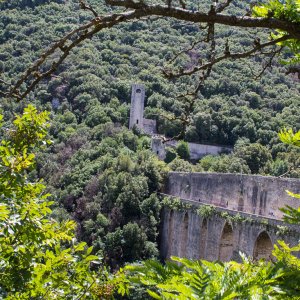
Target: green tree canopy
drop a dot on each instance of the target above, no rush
(39, 256)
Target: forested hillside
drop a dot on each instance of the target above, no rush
(104, 175)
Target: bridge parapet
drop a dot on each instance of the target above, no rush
(253, 194)
(233, 215)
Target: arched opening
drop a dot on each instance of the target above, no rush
(203, 238)
(263, 247)
(170, 233)
(137, 121)
(183, 238)
(138, 91)
(226, 243)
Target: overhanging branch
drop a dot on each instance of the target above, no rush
(293, 29)
(227, 55)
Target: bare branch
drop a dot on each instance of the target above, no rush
(34, 75)
(185, 118)
(186, 50)
(291, 28)
(222, 6)
(268, 64)
(84, 6)
(257, 47)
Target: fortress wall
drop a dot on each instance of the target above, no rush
(149, 126)
(197, 151)
(158, 147)
(200, 242)
(260, 195)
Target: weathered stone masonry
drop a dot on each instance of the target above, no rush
(188, 234)
(261, 195)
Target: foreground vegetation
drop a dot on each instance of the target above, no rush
(39, 256)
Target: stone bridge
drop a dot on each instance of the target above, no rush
(222, 214)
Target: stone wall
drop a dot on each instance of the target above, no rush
(186, 234)
(261, 195)
(158, 147)
(197, 151)
(149, 126)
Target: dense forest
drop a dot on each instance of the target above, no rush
(105, 176)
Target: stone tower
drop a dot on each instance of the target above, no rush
(137, 106)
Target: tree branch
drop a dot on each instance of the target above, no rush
(192, 46)
(268, 64)
(84, 6)
(33, 74)
(293, 29)
(257, 47)
(222, 6)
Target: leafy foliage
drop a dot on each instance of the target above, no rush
(108, 184)
(292, 215)
(208, 280)
(94, 83)
(99, 173)
(39, 256)
(183, 150)
(288, 137)
(283, 10)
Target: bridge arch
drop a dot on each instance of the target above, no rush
(226, 243)
(183, 238)
(203, 239)
(263, 246)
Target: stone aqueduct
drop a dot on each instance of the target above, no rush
(256, 198)
(253, 200)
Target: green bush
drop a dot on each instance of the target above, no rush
(183, 150)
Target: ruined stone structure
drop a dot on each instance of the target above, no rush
(137, 106)
(149, 126)
(197, 151)
(158, 147)
(137, 110)
(252, 201)
(255, 194)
